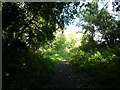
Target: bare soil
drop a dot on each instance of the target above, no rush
(67, 77)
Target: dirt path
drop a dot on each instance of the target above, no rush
(66, 77)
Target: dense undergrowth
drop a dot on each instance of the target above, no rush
(102, 64)
(31, 71)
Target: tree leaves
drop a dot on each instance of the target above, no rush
(96, 20)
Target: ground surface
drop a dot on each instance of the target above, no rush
(66, 77)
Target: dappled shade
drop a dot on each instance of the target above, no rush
(34, 45)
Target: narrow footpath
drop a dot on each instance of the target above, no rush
(66, 77)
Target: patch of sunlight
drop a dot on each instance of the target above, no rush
(73, 35)
(7, 74)
(55, 57)
(24, 64)
(56, 54)
(67, 50)
(63, 60)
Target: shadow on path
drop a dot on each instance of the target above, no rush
(66, 77)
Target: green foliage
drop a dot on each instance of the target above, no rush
(96, 20)
(102, 64)
(99, 60)
(33, 66)
(55, 49)
(28, 26)
(33, 42)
